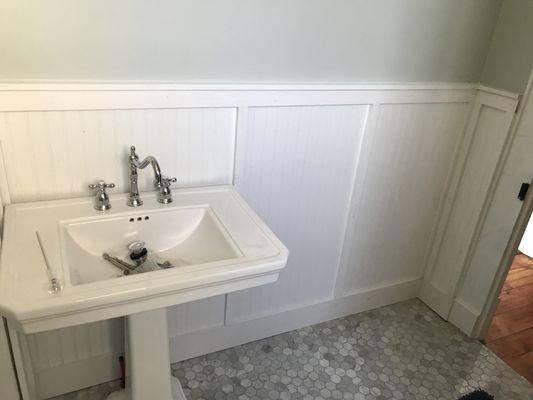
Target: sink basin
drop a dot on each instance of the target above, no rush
(213, 239)
(182, 236)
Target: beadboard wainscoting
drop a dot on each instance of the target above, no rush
(466, 204)
(487, 267)
(356, 180)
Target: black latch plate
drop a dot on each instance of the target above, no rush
(523, 191)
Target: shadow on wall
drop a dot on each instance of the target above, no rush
(510, 57)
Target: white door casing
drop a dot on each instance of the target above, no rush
(476, 171)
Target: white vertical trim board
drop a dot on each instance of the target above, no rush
(351, 178)
(500, 229)
(475, 173)
(241, 138)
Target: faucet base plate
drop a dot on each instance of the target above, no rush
(134, 202)
(165, 200)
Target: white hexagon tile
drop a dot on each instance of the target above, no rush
(402, 351)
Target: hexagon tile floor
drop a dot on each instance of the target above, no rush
(402, 351)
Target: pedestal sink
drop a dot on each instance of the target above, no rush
(53, 275)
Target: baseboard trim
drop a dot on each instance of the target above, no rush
(92, 371)
(195, 344)
(463, 316)
(435, 298)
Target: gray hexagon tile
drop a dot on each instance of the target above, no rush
(402, 351)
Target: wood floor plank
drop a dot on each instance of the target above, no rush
(513, 321)
(523, 365)
(512, 346)
(517, 297)
(510, 335)
(520, 279)
(521, 260)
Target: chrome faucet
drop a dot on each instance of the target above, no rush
(101, 199)
(160, 182)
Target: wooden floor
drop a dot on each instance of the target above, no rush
(511, 332)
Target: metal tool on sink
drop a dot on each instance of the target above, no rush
(138, 254)
(117, 262)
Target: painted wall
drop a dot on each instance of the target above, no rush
(510, 58)
(246, 41)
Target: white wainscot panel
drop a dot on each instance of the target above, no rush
(496, 229)
(55, 154)
(295, 165)
(196, 316)
(95, 348)
(484, 151)
(406, 159)
(77, 356)
(484, 141)
(298, 175)
(498, 226)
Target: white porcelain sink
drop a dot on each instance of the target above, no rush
(184, 237)
(215, 243)
(221, 243)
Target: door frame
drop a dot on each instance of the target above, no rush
(482, 324)
(493, 300)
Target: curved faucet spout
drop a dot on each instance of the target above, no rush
(155, 166)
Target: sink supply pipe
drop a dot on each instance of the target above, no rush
(55, 284)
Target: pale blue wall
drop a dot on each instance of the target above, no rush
(246, 40)
(510, 58)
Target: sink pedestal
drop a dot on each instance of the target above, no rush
(147, 359)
